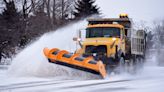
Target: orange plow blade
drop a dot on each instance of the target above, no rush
(65, 58)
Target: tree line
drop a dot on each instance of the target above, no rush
(21, 21)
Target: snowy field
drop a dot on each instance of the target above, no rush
(30, 71)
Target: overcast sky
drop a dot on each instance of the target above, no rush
(146, 10)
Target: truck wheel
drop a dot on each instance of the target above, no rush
(110, 68)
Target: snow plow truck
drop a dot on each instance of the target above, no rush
(108, 43)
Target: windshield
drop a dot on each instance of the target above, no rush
(102, 32)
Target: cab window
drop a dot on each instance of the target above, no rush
(102, 32)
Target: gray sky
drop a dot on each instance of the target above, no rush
(146, 10)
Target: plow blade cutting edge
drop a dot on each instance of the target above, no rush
(65, 58)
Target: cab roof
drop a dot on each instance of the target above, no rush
(105, 25)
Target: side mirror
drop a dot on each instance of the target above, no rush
(76, 39)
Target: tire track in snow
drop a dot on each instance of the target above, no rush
(47, 83)
(32, 84)
(94, 84)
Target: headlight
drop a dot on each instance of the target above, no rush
(114, 39)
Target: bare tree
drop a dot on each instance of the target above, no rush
(54, 12)
(25, 9)
(48, 8)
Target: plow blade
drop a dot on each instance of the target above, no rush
(75, 61)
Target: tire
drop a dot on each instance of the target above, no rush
(109, 68)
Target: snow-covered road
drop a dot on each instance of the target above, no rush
(146, 81)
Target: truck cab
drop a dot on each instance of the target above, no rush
(104, 41)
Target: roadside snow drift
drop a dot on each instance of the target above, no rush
(32, 62)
